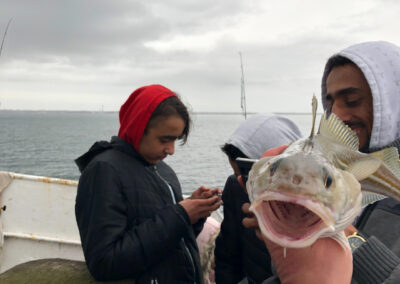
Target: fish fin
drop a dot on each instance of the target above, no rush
(390, 157)
(335, 129)
(340, 237)
(365, 167)
(314, 104)
(386, 180)
(370, 197)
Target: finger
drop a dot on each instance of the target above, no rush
(216, 191)
(203, 188)
(246, 209)
(209, 201)
(206, 194)
(350, 230)
(274, 151)
(206, 211)
(250, 223)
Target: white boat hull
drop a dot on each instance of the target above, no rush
(39, 219)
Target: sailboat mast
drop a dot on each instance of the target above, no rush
(242, 90)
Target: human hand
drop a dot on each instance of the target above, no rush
(200, 208)
(350, 230)
(250, 221)
(204, 192)
(325, 261)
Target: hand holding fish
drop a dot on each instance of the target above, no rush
(325, 261)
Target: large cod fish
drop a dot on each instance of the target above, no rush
(312, 189)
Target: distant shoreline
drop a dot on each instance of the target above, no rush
(196, 112)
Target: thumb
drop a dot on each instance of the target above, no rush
(274, 151)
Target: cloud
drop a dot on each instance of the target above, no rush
(84, 54)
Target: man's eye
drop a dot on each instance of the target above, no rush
(329, 101)
(352, 103)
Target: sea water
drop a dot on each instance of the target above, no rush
(45, 143)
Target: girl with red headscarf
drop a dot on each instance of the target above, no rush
(131, 215)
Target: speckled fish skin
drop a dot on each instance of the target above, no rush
(312, 189)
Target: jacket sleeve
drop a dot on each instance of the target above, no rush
(111, 250)
(373, 262)
(228, 258)
(198, 226)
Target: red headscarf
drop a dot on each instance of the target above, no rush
(137, 110)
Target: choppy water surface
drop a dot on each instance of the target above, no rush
(46, 143)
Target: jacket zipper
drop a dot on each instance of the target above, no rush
(183, 241)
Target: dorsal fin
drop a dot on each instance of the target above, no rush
(314, 104)
(335, 129)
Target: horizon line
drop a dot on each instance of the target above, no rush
(194, 112)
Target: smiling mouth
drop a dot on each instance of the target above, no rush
(355, 126)
(357, 129)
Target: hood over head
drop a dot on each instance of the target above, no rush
(137, 110)
(379, 61)
(261, 132)
(102, 146)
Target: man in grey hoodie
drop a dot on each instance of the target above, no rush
(361, 85)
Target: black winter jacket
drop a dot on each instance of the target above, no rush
(128, 222)
(238, 252)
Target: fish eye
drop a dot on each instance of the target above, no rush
(327, 178)
(274, 166)
(328, 181)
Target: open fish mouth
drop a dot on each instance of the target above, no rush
(292, 221)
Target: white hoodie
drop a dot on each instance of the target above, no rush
(380, 63)
(263, 131)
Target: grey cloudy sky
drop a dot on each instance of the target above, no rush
(85, 54)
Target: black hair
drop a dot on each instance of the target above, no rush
(232, 152)
(171, 106)
(336, 61)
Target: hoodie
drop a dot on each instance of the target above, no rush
(379, 61)
(250, 136)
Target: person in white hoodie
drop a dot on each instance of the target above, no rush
(361, 85)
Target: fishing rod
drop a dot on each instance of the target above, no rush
(4, 36)
(242, 91)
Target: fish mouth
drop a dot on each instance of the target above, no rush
(292, 221)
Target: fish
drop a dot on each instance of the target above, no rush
(319, 184)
